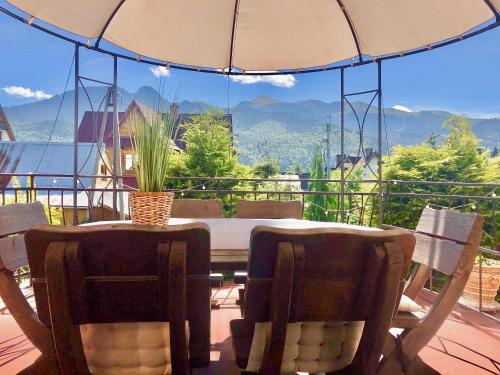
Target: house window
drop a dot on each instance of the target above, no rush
(129, 162)
(103, 171)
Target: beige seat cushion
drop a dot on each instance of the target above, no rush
(127, 348)
(408, 305)
(311, 346)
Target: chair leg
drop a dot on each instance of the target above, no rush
(42, 365)
(394, 361)
(241, 297)
(390, 366)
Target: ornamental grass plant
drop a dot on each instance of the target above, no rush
(153, 143)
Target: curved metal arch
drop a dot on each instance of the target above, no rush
(233, 30)
(493, 9)
(108, 22)
(361, 129)
(353, 30)
(471, 34)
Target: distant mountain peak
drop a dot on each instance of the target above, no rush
(263, 100)
(146, 88)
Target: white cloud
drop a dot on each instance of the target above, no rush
(160, 71)
(25, 92)
(285, 80)
(402, 108)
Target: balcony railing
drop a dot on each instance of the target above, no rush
(397, 203)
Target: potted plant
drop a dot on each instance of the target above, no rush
(490, 282)
(152, 142)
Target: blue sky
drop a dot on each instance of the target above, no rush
(461, 78)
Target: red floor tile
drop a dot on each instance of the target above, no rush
(467, 343)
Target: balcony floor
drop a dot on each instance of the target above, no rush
(467, 343)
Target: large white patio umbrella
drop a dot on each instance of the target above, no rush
(264, 35)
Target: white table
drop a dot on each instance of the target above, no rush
(230, 237)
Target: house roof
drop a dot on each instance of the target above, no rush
(4, 125)
(99, 198)
(55, 158)
(347, 159)
(91, 123)
(370, 153)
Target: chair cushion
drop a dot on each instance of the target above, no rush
(408, 305)
(311, 346)
(127, 348)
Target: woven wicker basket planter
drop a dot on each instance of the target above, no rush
(151, 208)
(490, 284)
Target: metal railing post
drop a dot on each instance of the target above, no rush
(379, 144)
(75, 137)
(342, 150)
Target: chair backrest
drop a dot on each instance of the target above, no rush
(339, 285)
(447, 241)
(268, 209)
(115, 286)
(15, 220)
(197, 208)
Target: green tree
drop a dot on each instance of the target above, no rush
(209, 153)
(458, 159)
(432, 140)
(268, 168)
(209, 148)
(316, 205)
(294, 169)
(326, 207)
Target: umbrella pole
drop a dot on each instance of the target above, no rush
(379, 145)
(342, 149)
(117, 165)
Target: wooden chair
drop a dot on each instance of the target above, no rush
(447, 242)
(265, 209)
(197, 208)
(110, 291)
(268, 209)
(15, 220)
(319, 300)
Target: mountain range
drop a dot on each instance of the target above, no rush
(264, 126)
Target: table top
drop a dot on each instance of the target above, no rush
(234, 233)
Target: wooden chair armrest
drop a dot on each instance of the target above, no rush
(23, 313)
(405, 320)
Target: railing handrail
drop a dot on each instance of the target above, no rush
(258, 179)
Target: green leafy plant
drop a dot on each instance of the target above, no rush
(209, 152)
(457, 158)
(152, 141)
(268, 168)
(316, 207)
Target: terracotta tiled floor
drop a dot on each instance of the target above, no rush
(466, 344)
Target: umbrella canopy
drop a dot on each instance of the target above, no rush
(264, 35)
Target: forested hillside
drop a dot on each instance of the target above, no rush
(263, 127)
